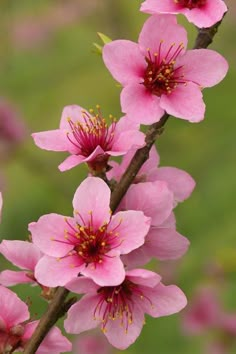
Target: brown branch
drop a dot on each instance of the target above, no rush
(58, 307)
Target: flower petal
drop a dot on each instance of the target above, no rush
(119, 336)
(82, 285)
(24, 255)
(158, 207)
(12, 310)
(54, 140)
(144, 277)
(81, 315)
(179, 182)
(159, 33)
(110, 272)
(161, 6)
(54, 272)
(165, 243)
(140, 105)
(130, 228)
(166, 300)
(48, 234)
(185, 102)
(70, 162)
(203, 66)
(10, 278)
(74, 113)
(91, 202)
(125, 61)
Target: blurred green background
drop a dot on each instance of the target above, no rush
(47, 62)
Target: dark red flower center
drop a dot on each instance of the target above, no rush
(91, 244)
(117, 303)
(92, 132)
(191, 4)
(161, 76)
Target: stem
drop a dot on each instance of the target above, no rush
(57, 308)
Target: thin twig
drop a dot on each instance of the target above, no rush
(57, 308)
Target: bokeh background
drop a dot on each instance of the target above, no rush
(47, 61)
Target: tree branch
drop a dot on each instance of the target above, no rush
(58, 307)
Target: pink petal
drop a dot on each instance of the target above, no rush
(185, 102)
(208, 15)
(161, 6)
(143, 277)
(82, 285)
(131, 139)
(48, 233)
(12, 310)
(131, 228)
(91, 200)
(140, 105)
(117, 335)
(164, 30)
(81, 315)
(150, 166)
(166, 244)
(54, 140)
(24, 255)
(54, 342)
(158, 207)
(54, 272)
(179, 182)
(70, 162)
(10, 278)
(166, 300)
(110, 272)
(73, 112)
(125, 61)
(137, 258)
(203, 66)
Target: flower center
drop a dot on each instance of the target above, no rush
(117, 303)
(91, 244)
(93, 132)
(191, 4)
(161, 76)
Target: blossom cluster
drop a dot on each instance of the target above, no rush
(98, 252)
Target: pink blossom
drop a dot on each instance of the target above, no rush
(203, 13)
(179, 181)
(119, 311)
(15, 331)
(89, 139)
(24, 255)
(162, 241)
(203, 313)
(159, 75)
(90, 243)
(12, 128)
(92, 343)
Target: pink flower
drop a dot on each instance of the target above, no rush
(15, 332)
(159, 75)
(89, 139)
(92, 343)
(162, 241)
(91, 242)
(119, 311)
(203, 13)
(203, 313)
(24, 255)
(179, 181)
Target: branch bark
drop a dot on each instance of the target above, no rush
(58, 307)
